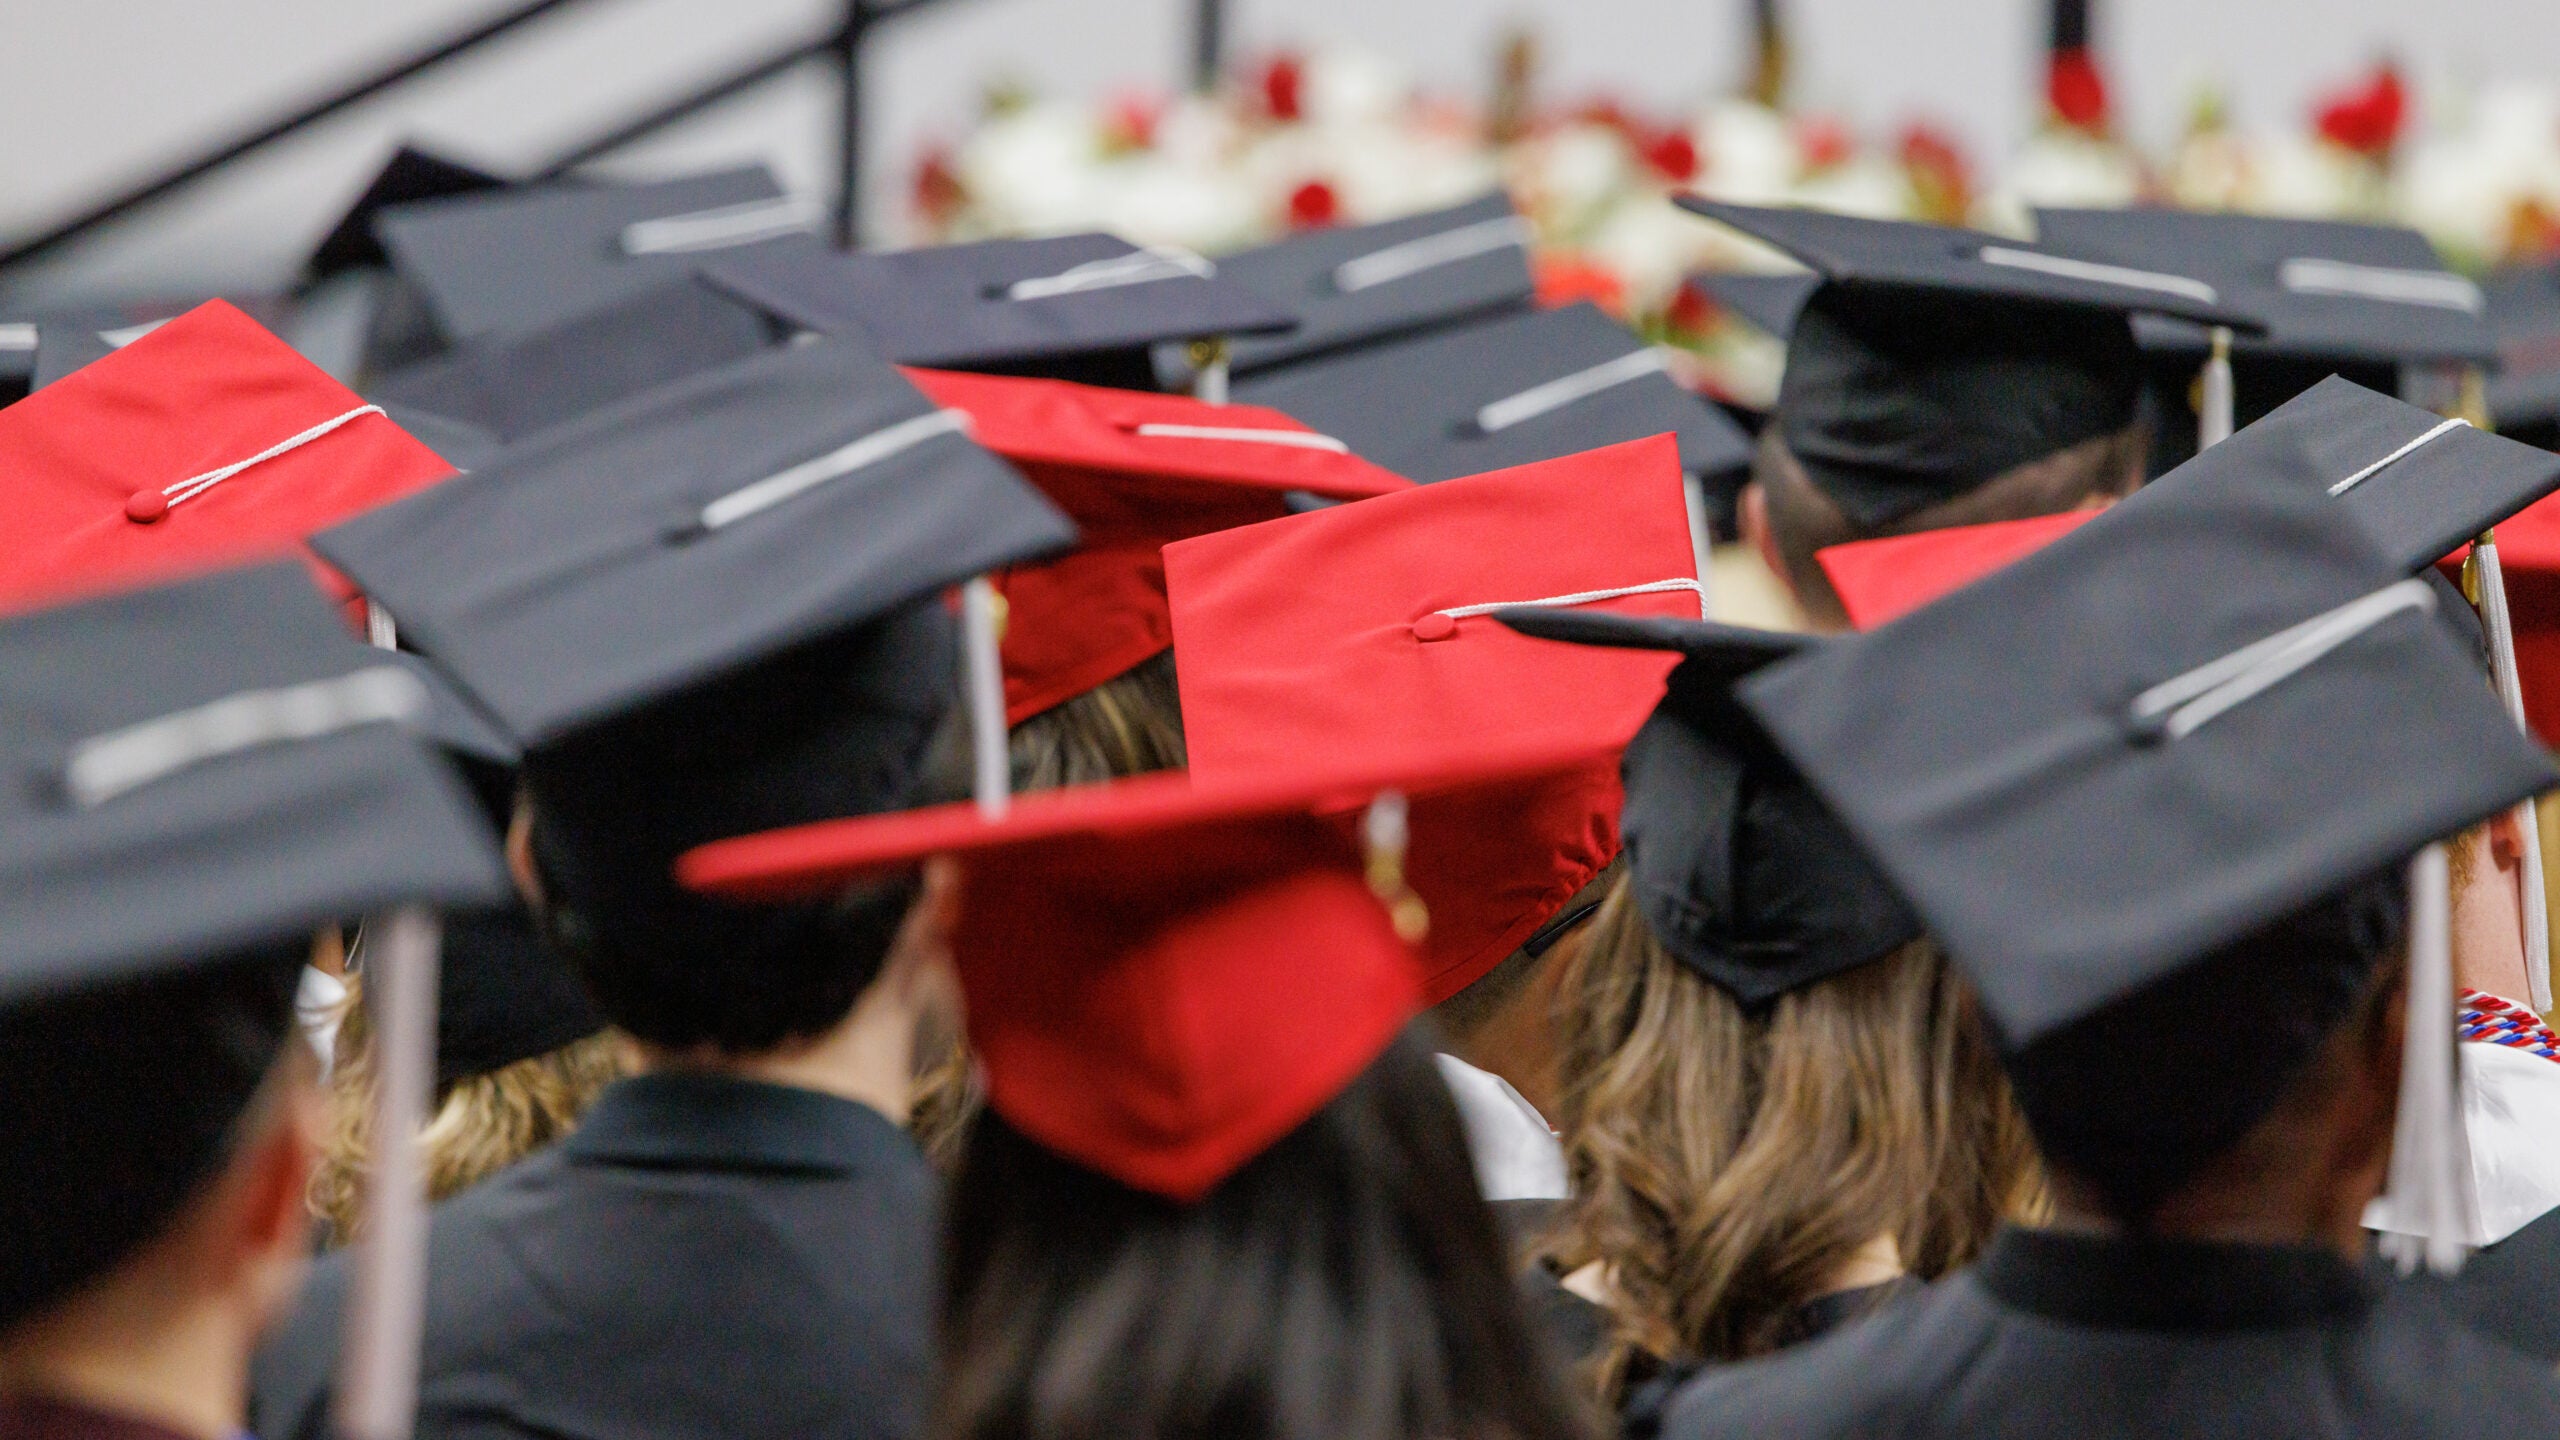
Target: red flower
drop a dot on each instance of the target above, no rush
(1564, 278)
(1939, 174)
(1693, 312)
(2076, 91)
(1313, 206)
(1673, 156)
(938, 192)
(1824, 141)
(2368, 118)
(1130, 124)
(1282, 80)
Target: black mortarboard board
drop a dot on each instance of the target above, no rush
(410, 174)
(709, 609)
(463, 445)
(2094, 771)
(18, 340)
(66, 342)
(1930, 360)
(1357, 285)
(524, 258)
(1769, 302)
(2524, 314)
(1502, 391)
(2421, 485)
(515, 383)
(1740, 868)
(1071, 307)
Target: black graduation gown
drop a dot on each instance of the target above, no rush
(29, 1417)
(702, 1257)
(2510, 1291)
(2057, 1334)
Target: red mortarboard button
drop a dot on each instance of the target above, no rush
(144, 506)
(1434, 626)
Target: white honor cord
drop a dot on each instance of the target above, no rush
(2500, 623)
(721, 228)
(195, 485)
(808, 475)
(2190, 700)
(2424, 1192)
(377, 1393)
(1156, 262)
(1429, 252)
(2062, 267)
(1565, 390)
(106, 766)
(1294, 439)
(2437, 289)
(2441, 429)
(1586, 597)
(988, 742)
(2214, 418)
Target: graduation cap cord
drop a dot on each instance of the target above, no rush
(195, 485)
(2185, 703)
(2404, 452)
(1296, 439)
(2500, 622)
(106, 766)
(1141, 267)
(377, 1392)
(871, 449)
(1586, 597)
(1429, 252)
(2425, 1193)
(2063, 267)
(1564, 390)
(18, 335)
(2438, 289)
(720, 228)
(2215, 393)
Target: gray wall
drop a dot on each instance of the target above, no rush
(92, 91)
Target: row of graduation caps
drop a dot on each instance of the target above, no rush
(653, 478)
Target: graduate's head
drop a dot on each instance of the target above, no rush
(1130, 724)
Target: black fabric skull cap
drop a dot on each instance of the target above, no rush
(1740, 868)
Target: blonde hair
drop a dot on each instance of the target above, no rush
(483, 1123)
(1727, 1164)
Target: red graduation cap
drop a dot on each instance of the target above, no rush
(1883, 579)
(1163, 978)
(206, 442)
(1136, 471)
(1365, 632)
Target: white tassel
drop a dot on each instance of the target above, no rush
(985, 669)
(378, 1381)
(1693, 495)
(1212, 369)
(2214, 402)
(2503, 674)
(2425, 1193)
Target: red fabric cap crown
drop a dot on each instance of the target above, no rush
(103, 466)
(2529, 557)
(1360, 634)
(1163, 978)
(1881, 580)
(1135, 471)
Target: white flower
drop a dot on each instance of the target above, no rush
(1652, 245)
(1033, 170)
(1345, 84)
(2062, 168)
(1747, 153)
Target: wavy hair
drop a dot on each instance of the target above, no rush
(1727, 1164)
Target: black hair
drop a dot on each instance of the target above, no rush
(2138, 1098)
(1348, 1283)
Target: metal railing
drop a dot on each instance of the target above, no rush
(842, 46)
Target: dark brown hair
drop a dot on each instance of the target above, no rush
(1727, 1163)
(1346, 1284)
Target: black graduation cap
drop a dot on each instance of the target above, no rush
(2422, 486)
(1769, 302)
(709, 609)
(17, 359)
(2095, 771)
(1503, 391)
(522, 258)
(67, 341)
(463, 445)
(2524, 315)
(410, 174)
(1930, 360)
(1357, 285)
(1074, 307)
(1742, 871)
(515, 383)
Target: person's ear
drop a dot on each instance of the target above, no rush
(2506, 840)
(1751, 517)
(270, 1244)
(520, 864)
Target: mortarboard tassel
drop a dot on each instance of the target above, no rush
(2424, 1195)
(2489, 583)
(1693, 494)
(378, 1384)
(2214, 394)
(981, 633)
(1209, 370)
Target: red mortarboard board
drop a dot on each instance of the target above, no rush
(1136, 472)
(1366, 632)
(1883, 579)
(206, 442)
(1163, 978)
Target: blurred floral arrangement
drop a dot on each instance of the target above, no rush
(1337, 135)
